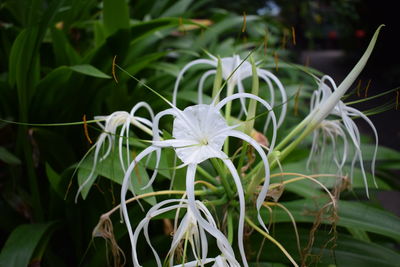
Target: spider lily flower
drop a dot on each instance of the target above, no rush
(199, 133)
(342, 126)
(189, 230)
(110, 125)
(234, 71)
(328, 102)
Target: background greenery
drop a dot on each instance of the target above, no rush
(56, 66)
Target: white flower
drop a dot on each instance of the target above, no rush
(189, 230)
(199, 133)
(234, 71)
(342, 127)
(110, 125)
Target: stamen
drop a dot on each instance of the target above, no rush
(284, 37)
(276, 58)
(366, 88)
(244, 22)
(307, 62)
(113, 69)
(181, 26)
(85, 128)
(296, 102)
(293, 36)
(358, 87)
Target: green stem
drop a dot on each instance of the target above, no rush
(185, 248)
(228, 110)
(230, 227)
(223, 179)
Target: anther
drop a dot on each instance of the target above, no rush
(366, 88)
(85, 128)
(293, 36)
(113, 69)
(358, 87)
(244, 22)
(276, 58)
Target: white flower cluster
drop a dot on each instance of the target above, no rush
(200, 133)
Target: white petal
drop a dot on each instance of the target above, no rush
(184, 69)
(263, 102)
(239, 188)
(263, 193)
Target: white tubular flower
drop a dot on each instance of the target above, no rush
(343, 127)
(234, 71)
(189, 230)
(110, 125)
(199, 134)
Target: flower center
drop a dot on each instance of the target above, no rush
(204, 142)
(206, 127)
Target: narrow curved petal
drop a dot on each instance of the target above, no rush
(239, 188)
(281, 90)
(184, 69)
(263, 193)
(201, 85)
(222, 243)
(125, 185)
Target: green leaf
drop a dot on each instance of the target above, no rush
(178, 8)
(343, 251)
(90, 71)
(64, 53)
(351, 215)
(115, 15)
(359, 234)
(54, 179)
(110, 168)
(8, 157)
(24, 242)
(351, 252)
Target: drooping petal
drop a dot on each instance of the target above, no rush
(184, 69)
(222, 242)
(263, 193)
(281, 90)
(240, 192)
(125, 185)
(201, 85)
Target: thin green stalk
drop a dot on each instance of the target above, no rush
(230, 227)
(185, 248)
(273, 240)
(217, 82)
(251, 111)
(223, 179)
(228, 109)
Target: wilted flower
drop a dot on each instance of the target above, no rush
(189, 230)
(199, 133)
(234, 71)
